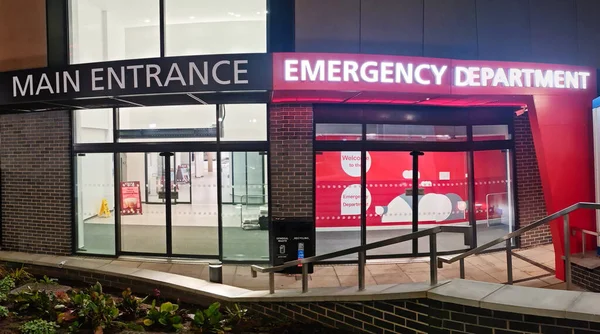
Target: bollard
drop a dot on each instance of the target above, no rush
(215, 272)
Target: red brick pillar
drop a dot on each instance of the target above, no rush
(291, 150)
(530, 196)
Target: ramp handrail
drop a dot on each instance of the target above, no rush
(435, 261)
(564, 213)
(361, 250)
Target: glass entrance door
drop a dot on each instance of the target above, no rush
(179, 213)
(412, 191)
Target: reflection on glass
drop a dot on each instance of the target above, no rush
(215, 27)
(493, 195)
(244, 206)
(195, 216)
(143, 224)
(103, 30)
(93, 125)
(240, 122)
(444, 189)
(416, 133)
(95, 204)
(343, 132)
(490, 132)
(168, 123)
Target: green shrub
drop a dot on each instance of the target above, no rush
(21, 276)
(130, 305)
(6, 285)
(36, 302)
(91, 308)
(165, 317)
(4, 312)
(38, 326)
(210, 320)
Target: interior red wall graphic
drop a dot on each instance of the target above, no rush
(442, 175)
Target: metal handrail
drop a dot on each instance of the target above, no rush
(361, 250)
(562, 213)
(435, 261)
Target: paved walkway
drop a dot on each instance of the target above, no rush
(486, 268)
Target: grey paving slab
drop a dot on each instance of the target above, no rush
(410, 290)
(116, 270)
(85, 263)
(542, 302)
(463, 292)
(586, 307)
(20, 257)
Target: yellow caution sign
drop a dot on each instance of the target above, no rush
(104, 210)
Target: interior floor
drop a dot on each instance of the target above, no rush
(253, 245)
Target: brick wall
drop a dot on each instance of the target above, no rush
(531, 204)
(36, 182)
(589, 279)
(291, 135)
(420, 316)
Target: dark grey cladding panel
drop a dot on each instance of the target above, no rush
(450, 29)
(588, 35)
(554, 31)
(327, 26)
(392, 27)
(503, 30)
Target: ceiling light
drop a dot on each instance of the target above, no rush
(152, 126)
(258, 13)
(147, 20)
(192, 17)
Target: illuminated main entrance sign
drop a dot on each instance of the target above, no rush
(424, 73)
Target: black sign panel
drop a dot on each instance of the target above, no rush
(292, 239)
(173, 75)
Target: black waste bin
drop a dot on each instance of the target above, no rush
(292, 238)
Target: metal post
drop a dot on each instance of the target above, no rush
(361, 270)
(582, 244)
(509, 268)
(433, 259)
(304, 278)
(271, 282)
(415, 198)
(462, 268)
(567, 252)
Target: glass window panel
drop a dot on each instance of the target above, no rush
(95, 204)
(244, 206)
(215, 27)
(102, 30)
(342, 132)
(494, 208)
(416, 133)
(240, 122)
(444, 185)
(142, 230)
(93, 125)
(195, 217)
(168, 123)
(338, 202)
(490, 132)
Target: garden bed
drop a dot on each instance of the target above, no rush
(31, 305)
